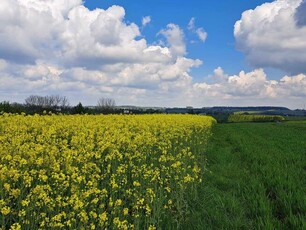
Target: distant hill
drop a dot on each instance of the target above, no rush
(250, 108)
(265, 110)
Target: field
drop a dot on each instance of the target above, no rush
(257, 178)
(151, 172)
(254, 118)
(97, 172)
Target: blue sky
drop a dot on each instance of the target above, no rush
(155, 53)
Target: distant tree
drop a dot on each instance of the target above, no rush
(14, 107)
(5, 107)
(78, 109)
(106, 104)
(32, 100)
(64, 103)
(17, 107)
(49, 102)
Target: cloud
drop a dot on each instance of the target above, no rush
(120, 81)
(252, 88)
(273, 35)
(3, 64)
(62, 47)
(175, 39)
(155, 84)
(68, 33)
(200, 32)
(191, 24)
(146, 20)
(241, 85)
(294, 85)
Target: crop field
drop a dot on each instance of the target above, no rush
(150, 172)
(256, 178)
(98, 172)
(254, 118)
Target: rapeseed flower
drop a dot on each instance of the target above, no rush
(98, 172)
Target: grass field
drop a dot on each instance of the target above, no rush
(257, 178)
(295, 118)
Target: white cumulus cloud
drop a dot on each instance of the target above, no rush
(62, 47)
(273, 35)
(252, 88)
(175, 39)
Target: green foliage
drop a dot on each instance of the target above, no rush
(7, 107)
(254, 118)
(79, 109)
(220, 117)
(295, 118)
(256, 179)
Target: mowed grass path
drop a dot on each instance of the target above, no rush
(256, 178)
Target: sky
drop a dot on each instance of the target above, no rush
(197, 53)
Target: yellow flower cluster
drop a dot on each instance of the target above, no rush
(97, 172)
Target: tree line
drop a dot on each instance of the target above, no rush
(35, 104)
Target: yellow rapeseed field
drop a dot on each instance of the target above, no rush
(97, 171)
